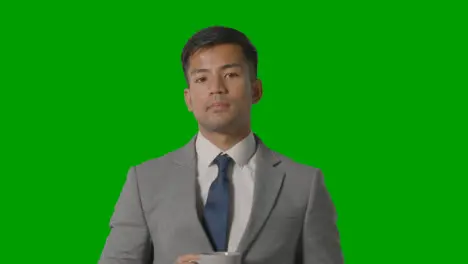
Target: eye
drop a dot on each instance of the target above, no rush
(200, 79)
(231, 75)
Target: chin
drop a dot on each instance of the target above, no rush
(219, 128)
(224, 126)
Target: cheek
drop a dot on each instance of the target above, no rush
(242, 94)
(198, 104)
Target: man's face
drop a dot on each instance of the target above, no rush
(221, 90)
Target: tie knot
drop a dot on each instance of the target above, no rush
(222, 161)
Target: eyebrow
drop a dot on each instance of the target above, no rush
(225, 66)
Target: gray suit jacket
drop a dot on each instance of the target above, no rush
(156, 217)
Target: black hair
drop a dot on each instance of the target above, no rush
(216, 35)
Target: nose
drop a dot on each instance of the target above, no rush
(218, 86)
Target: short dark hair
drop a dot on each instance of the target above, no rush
(216, 35)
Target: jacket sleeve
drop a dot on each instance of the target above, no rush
(321, 242)
(129, 241)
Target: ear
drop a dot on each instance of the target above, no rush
(188, 99)
(257, 91)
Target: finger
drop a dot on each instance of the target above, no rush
(189, 258)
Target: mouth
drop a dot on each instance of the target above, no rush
(218, 105)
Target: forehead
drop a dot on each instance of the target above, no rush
(216, 56)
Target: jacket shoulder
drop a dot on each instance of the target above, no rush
(292, 165)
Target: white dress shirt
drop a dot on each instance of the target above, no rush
(242, 173)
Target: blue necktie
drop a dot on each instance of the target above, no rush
(216, 212)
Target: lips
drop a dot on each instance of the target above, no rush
(219, 105)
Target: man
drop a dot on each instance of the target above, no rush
(225, 190)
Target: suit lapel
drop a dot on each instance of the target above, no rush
(268, 181)
(184, 174)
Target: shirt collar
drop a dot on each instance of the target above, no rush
(240, 153)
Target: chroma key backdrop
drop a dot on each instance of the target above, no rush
(373, 93)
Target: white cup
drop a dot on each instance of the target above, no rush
(220, 258)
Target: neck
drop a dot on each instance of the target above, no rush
(225, 141)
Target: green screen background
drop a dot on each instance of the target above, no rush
(373, 93)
